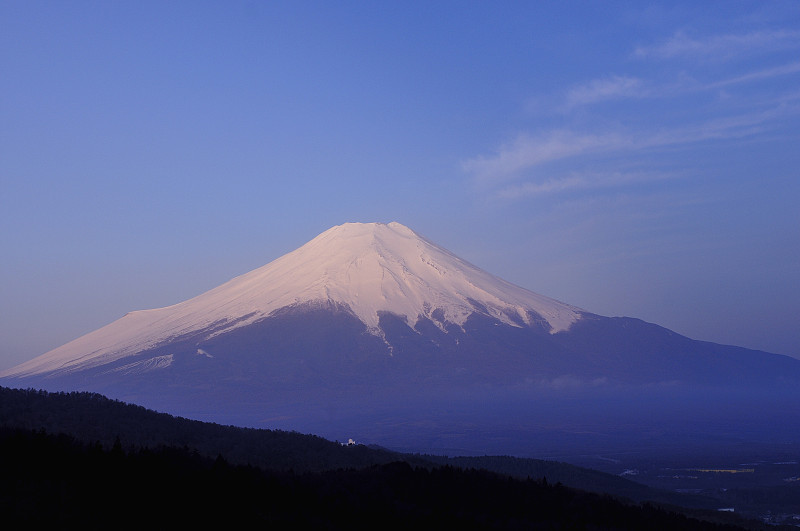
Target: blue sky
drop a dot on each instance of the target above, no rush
(628, 158)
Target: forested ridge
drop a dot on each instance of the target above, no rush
(62, 466)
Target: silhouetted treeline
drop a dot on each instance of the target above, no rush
(91, 417)
(76, 451)
(56, 480)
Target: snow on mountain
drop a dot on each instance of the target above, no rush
(369, 267)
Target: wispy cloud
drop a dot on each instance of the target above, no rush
(626, 87)
(514, 161)
(530, 189)
(758, 75)
(684, 120)
(721, 47)
(583, 181)
(608, 88)
(728, 127)
(526, 152)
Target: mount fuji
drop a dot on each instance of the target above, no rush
(372, 329)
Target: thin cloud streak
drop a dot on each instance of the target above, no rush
(625, 87)
(576, 182)
(609, 88)
(769, 73)
(721, 47)
(531, 189)
(527, 152)
(730, 127)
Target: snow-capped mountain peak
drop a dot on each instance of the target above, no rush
(373, 267)
(367, 267)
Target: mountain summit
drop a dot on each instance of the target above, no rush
(373, 327)
(367, 268)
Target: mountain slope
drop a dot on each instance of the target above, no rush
(367, 268)
(371, 331)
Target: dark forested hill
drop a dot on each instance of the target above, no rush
(79, 457)
(90, 418)
(56, 480)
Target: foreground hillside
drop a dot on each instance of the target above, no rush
(63, 464)
(91, 418)
(55, 480)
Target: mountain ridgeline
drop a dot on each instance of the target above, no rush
(374, 332)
